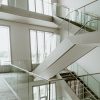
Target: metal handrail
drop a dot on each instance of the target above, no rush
(84, 26)
(89, 74)
(82, 84)
(63, 79)
(78, 9)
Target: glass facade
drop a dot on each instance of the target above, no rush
(42, 44)
(41, 6)
(42, 92)
(5, 2)
(5, 57)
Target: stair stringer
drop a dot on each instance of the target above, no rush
(70, 95)
(70, 50)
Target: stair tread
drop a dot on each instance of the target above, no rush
(75, 83)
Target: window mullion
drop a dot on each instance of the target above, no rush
(43, 6)
(37, 47)
(35, 4)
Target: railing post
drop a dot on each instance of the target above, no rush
(49, 90)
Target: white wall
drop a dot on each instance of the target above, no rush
(20, 42)
(91, 62)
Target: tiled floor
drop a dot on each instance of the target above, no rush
(5, 92)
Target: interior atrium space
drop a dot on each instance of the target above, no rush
(49, 50)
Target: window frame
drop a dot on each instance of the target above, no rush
(10, 47)
(37, 43)
(47, 87)
(43, 7)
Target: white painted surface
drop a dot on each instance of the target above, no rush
(91, 61)
(23, 16)
(60, 58)
(56, 54)
(66, 91)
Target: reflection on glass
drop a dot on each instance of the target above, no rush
(47, 43)
(33, 38)
(4, 45)
(36, 93)
(5, 2)
(47, 7)
(53, 42)
(40, 36)
(42, 44)
(43, 98)
(52, 92)
(32, 5)
(42, 92)
(39, 6)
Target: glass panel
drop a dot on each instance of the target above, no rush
(39, 6)
(47, 7)
(53, 92)
(53, 42)
(4, 45)
(43, 91)
(5, 2)
(47, 43)
(43, 98)
(40, 36)
(33, 38)
(41, 45)
(36, 93)
(32, 5)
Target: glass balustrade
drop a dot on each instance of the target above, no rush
(87, 78)
(80, 17)
(24, 85)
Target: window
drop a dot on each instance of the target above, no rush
(41, 6)
(32, 5)
(5, 57)
(42, 92)
(5, 2)
(42, 44)
(47, 7)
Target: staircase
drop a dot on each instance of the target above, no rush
(87, 28)
(78, 86)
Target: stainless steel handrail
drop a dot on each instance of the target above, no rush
(84, 26)
(78, 9)
(89, 74)
(83, 85)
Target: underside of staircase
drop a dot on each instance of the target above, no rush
(78, 86)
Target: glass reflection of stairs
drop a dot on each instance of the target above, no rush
(78, 86)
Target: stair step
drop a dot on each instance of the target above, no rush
(78, 86)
